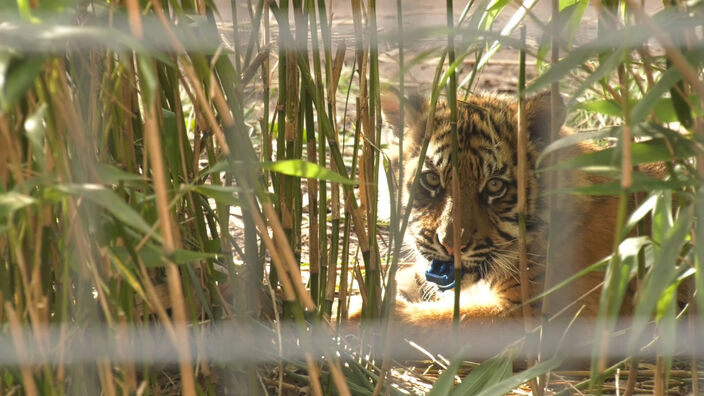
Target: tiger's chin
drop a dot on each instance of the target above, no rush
(478, 287)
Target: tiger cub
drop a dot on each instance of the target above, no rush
(490, 284)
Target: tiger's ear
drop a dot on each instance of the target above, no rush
(414, 107)
(538, 118)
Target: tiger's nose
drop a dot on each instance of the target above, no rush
(449, 248)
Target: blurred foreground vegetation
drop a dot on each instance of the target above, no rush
(160, 182)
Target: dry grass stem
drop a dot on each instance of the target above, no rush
(21, 349)
(169, 243)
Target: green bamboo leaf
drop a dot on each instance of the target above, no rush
(149, 82)
(680, 105)
(153, 256)
(218, 167)
(668, 329)
(25, 9)
(570, 15)
(293, 167)
(666, 303)
(16, 78)
(627, 38)
(489, 373)
(171, 141)
(662, 273)
(640, 212)
(111, 202)
(654, 150)
(12, 201)
(511, 25)
(300, 168)
(110, 174)
(475, 22)
(625, 248)
(509, 384)
(652, 99)
(662, 216)
(608, 107)
(493, 11)
(575, 19)
(446, 380)
(666, 315)
(180, 256)
(571, 140)
(663, 107)
(118, 261)
(196, 283)
(419, 59)
(699, 251)
(358, 375)
(616, 281)
(645, 105)
(55, 6)
(606, 67)
(641, 183)
(572, 61)
(223, 194)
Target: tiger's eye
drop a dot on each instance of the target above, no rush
(430, 180)
(496, 187)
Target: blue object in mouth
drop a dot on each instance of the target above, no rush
(442, 273)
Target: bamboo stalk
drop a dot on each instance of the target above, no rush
(343, 294)
(107, 380)
(193, 79)
(549, 280)
(13, 152)
(692, 328)
(326, 125)
(314, 228)
(632, 377)
(522, 143)
(521, 182)
(21, 349)
(130, 375)
(169, 245)
(396, 236)
(318, 272)
(372, 116)
(455, 184)
(659, 386)
(335, 69)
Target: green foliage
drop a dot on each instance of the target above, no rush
(145, 182)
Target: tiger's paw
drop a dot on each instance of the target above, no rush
(429, 291)
(414, 288)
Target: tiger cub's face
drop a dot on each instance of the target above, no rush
(487, 178)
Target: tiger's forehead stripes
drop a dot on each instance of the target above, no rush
(486, 138)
